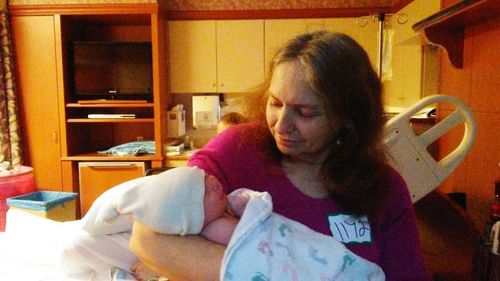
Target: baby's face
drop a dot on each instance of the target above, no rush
(215, 200)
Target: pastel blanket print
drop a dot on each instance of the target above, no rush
(269, 247)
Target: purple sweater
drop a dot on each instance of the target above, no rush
(394, 239)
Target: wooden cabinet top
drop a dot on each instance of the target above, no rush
(447, 27)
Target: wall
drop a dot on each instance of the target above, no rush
(402, 79)
(476, 84)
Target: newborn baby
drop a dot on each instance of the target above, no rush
(221, 217)
(178, 201)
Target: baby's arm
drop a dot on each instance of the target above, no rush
(221, 229)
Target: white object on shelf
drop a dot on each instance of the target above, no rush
(206, 111)
(104, 116)
(176, 123)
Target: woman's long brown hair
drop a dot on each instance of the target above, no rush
(339, 71)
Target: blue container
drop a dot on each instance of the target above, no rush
(54, 205)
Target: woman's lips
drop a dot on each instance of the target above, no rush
(286, 142)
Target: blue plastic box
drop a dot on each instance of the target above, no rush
(54, 205)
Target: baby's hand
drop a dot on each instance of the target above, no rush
(238, 200)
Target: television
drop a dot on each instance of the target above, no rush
(111, 70)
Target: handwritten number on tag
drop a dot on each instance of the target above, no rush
(347, 229)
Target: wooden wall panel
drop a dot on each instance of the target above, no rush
(456, 81)
(485, 67)
(457, 181)
(477, 84)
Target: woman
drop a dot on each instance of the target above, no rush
(319, 154)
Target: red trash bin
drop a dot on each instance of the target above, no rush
(18, 181)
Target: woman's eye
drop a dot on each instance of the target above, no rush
(306, 114)
(275, 103)
(309, 114)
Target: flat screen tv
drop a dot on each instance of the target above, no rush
(111, 70)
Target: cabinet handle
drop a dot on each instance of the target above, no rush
(55, 137)
(214, 85)
(105, 165)
(222, 85)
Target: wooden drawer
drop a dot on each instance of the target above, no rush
(97, 177)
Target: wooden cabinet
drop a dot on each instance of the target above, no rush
(240, 55)
(57, 130)
(231, 56)
(97, 177)
(278, 32)
(193, 56)
(365, 33)
(37, 84)
(132, 29)
(225, 56)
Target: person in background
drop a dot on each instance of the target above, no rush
(316, 147)
(229, 119)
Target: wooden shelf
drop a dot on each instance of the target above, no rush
(111, 120)
(107, 157)
(446, 28)
(110, 105)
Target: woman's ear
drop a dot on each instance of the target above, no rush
(344, 133)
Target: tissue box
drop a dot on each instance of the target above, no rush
(176, 123)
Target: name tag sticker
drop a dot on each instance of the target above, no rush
(350, 230)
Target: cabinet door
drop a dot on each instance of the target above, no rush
(366, 35)
(97, 177)
(240, 55)
(192, 57)
(35, 50)
(278, 32)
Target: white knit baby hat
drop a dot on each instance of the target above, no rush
(171, 202)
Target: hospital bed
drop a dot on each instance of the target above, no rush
(28, 248)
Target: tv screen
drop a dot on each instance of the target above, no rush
(112, 70)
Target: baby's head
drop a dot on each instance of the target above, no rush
(215, 199)
(185, 200)
(230, 119)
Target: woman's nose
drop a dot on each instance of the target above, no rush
(284, 122)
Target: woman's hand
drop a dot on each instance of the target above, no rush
(143, 273)
(177, 257)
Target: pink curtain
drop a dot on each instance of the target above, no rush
(10, 148)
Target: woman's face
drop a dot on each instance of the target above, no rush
(297, 116)
(215, 199)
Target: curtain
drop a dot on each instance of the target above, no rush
(10, 148)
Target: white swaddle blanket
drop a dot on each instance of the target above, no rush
(269, 247)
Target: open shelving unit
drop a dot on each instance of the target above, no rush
(112, 26)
